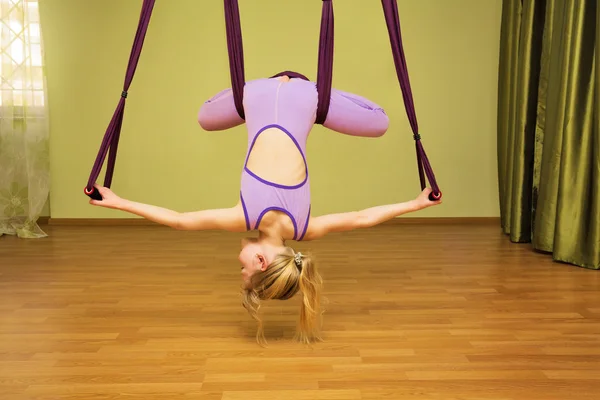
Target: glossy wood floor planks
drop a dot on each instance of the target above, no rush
(444, 312)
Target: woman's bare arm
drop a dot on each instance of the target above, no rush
(321, 226)
(228, 219)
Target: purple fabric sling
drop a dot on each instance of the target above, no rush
(392, 19)
(235, 50)
(325, 63)
(113, 132)
(236, 70)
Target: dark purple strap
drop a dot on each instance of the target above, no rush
(235, 50)
(392, 19)
(325, 68)
(112, 134)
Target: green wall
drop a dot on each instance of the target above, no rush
(184, 61)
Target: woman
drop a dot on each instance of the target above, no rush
(275, 190)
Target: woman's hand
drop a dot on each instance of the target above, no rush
(423, 199)
(109, 199)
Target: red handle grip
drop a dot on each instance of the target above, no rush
(93, 193)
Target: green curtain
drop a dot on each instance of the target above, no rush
(548, 127)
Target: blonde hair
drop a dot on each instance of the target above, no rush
(281, 281)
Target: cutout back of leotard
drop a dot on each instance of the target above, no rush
(285, 112)
(285, 167)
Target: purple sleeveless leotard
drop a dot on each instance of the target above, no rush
(290, 107)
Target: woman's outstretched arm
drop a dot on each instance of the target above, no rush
(321, 226)
(228, 219)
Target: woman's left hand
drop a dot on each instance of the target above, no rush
(423, 199)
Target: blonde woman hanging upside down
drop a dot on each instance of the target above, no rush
(275, 190)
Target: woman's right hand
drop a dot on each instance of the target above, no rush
(109, 199)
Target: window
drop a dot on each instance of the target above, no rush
(21, 66)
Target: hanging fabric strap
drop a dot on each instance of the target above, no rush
(325, 68)
(113, 132)
(390, 10)
(235, 50)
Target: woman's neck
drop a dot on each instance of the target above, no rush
(271, 236)
(276, 227)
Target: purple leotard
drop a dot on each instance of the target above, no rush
(290, 107)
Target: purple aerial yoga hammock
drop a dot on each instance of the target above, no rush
(236, 67)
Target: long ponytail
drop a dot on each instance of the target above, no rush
(286, 275)
(311, 284)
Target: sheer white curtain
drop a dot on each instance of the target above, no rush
(24, 128)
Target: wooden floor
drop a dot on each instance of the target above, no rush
(422, 312)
